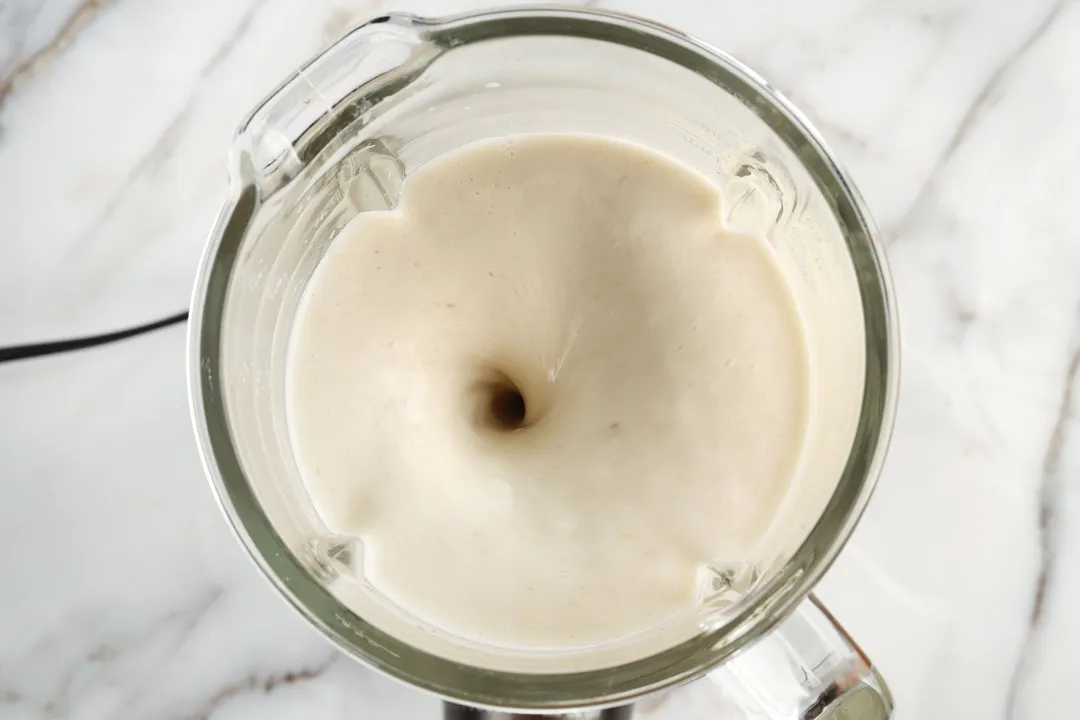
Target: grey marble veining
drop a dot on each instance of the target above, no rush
(124, 596)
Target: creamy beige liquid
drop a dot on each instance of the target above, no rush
(661, 366)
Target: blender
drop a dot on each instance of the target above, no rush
(339, 137)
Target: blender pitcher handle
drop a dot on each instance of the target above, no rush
(808, 668)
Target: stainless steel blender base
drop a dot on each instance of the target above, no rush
(457, 712)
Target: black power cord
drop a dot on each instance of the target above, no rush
(25, 352)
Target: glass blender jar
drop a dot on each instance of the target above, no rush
(339, 137)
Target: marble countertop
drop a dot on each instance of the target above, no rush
(123, 594)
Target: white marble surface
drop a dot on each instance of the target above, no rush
(122, 594)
